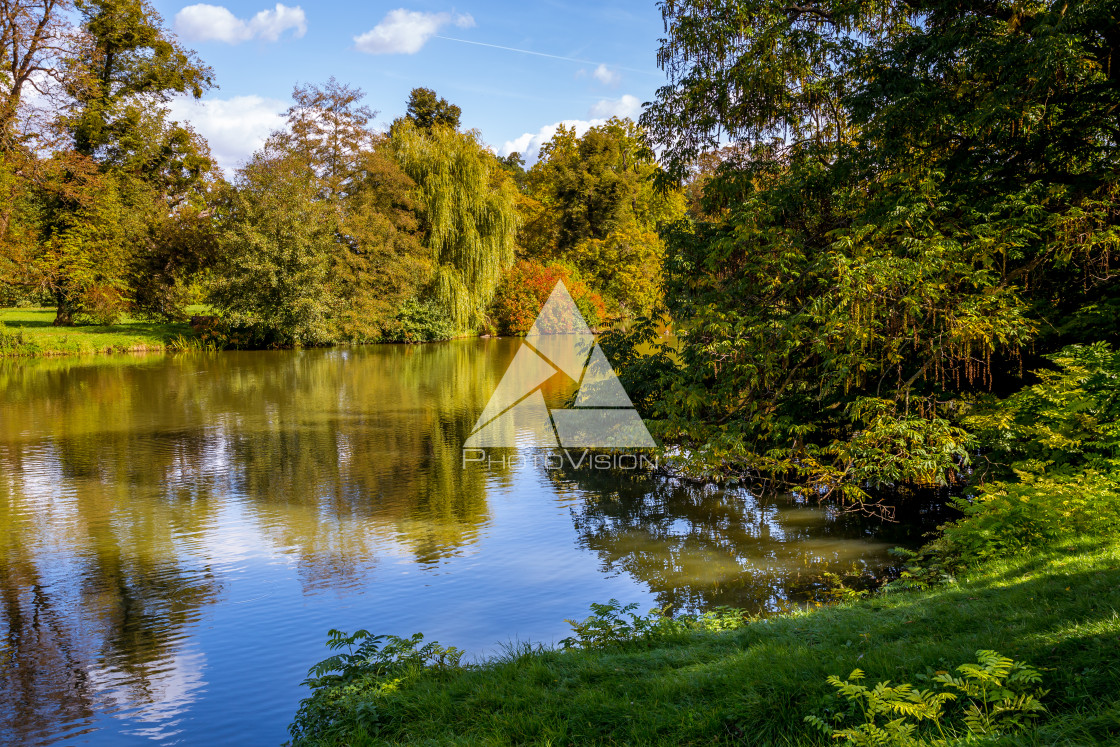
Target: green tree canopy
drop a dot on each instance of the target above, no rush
(427, 110)
(335, 252)
(468, 212)
(923, 195)
(601, 211)
(275, 279)
(106, 179)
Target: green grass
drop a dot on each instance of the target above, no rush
(1058, 610)
(29, 332)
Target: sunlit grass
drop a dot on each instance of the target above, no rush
(1057, 611)
(30, 332)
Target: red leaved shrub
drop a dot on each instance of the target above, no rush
(526, 287)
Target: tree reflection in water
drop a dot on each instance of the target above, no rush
(697, 547)
(131, 487)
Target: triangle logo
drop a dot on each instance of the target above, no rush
(602, 417)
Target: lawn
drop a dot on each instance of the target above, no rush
(30, 332)
(1059, 611)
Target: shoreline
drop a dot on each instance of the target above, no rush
(24, 337)
(758, 682)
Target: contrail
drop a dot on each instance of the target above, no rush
(542, 54)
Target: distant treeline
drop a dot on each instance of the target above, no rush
(334, 231)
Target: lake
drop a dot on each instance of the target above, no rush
(180, 532)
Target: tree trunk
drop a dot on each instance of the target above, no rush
(64, 316)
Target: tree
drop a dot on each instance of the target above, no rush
(468, 214)
(922, 192)
(381, 265)
(128, 167)
(33, 37)
(514, 164)
(426, 110)
(125, 61)
(329, 124)
(82, 252)
(377, 261)
(279, 238)
(602, 211)
(525, 289)
(18, 224)
(360, 251)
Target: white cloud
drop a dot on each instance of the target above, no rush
(406, 31)
(529, 144)
(204, 22)
(234, 127)
(625, 106)
(606, 76)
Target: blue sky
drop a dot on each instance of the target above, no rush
(515, 98)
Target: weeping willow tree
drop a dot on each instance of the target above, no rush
(468, 211)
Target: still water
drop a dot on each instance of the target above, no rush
(179, 533)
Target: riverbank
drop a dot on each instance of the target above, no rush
(30, 333)
(1056, 608)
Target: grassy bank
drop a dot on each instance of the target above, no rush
(29, 332)
(1058, 610)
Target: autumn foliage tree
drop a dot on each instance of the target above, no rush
(527, 286)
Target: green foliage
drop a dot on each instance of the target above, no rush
(111, 226)
(377, 262)
(1068, 421)
(192, 344)
(371, 665)
(18, 225)
(1054, 445)
(599, 211)
(274, 280)
(418, 321)
(426, 110)
(376, 655)
(625, 267)
(612, 624)
(89, 221)
(125, 62)
(166, 263)
(994, 697)
(323, 235)
(1007, 518)
(12, 342)
(468, 216)
(918, 194)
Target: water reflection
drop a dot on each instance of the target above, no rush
(178, 533)
(113, 475)
(697, 547)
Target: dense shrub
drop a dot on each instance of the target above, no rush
(419, 321)
(526, 287)
(1054, 449)
(1068, 421)
(12, 342)
(1009, 518)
